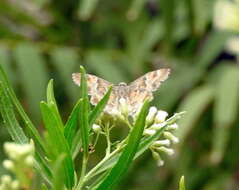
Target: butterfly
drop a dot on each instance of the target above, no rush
(134, 93)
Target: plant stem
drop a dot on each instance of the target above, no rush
(83, 171)
(93, 171)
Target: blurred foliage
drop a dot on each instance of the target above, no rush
(119, 41)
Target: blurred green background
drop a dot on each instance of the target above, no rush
(120, 41)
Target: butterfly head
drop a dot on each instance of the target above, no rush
(122, 84)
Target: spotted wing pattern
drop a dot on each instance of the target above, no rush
(97, 88)
(134, 94)
(143, 87)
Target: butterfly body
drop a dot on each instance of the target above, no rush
(134, 93)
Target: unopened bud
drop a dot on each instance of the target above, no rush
(15, 185)
(151, 115)
(172, 127)
(161, 116)
(168, 151)
(149, 132)
(158, 126)
(29, 160)
(123, 106)
(8, 164)
(165, 142)
(96, 128)
(171, 137)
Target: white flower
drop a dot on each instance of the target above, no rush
(151, 115)
(226, 15)
(171, 137)
(149, 132)
(96, 128)
(165, 142)
(157, 157)
(161, 116)
(168, 151)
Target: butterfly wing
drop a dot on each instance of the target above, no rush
(142, 88)
(97, 87)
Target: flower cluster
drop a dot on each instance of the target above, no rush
(155, 121)
(20, 162)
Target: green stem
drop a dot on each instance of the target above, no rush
(83, 171)
(93, 171)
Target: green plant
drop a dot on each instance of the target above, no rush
(56, 151)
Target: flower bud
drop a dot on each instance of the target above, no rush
(8, 164)
(171, 137)
(15, 185)
(6, 179)
(123, 106)
(29, 160)
(158, 126)
(160, 116)
(96, 128)
(165, 142)
(226, 15)
(149, 132)
(157, 157)
(168, 151)
(151, 115)
(172, 127)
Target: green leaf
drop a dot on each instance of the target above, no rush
(51, 101)
(84, 112)
(65, 60)
(57, 139)
(71, 124)
(7, 97)
(99, 108)
(213, 46)
(135, 9)
(168, 15)
(226, 111)
(194, 104)
(118, 171)
(58, 173)
(181, 184)
(86, 8)
(33, 75)
(28, 123)
(9, 118)
(44, 187)
(101, 61)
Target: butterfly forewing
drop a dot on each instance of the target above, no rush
(135, 93)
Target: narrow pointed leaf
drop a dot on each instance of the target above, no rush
(28, 123)
(226, 111)
(99, 108)
(9, 118)
(71, 124)
(181, 184)
(56, 135)
(84, 110)
(52, 101)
